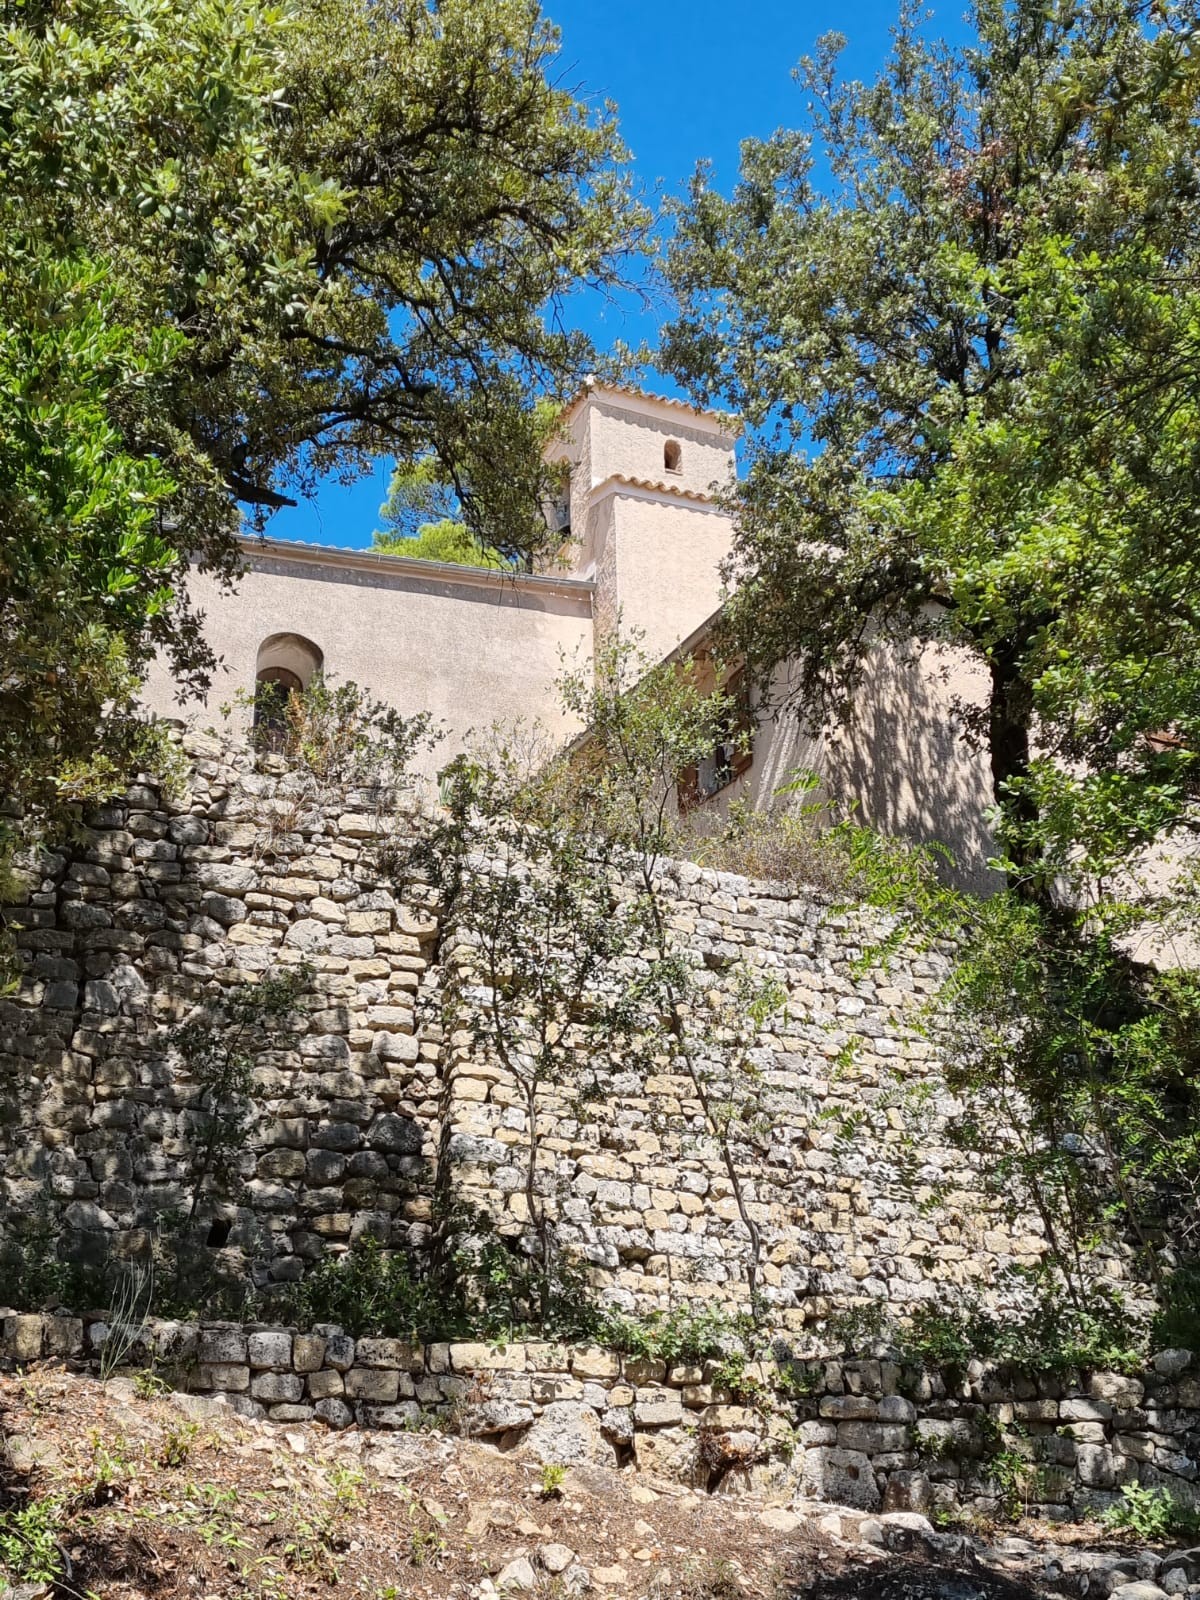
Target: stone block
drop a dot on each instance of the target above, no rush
(1122, 1393)
(1078, 1410)
(1094, 1464)
(277, 1387)
(543, 1356)
(222, 1346)
(588, 1361)
(849, 1408)
(396, 1135)
(844, 1477)
(487, 1358)
(291, 1413)
(873, 1437)
(339, 1351)
(568, 1433)
(895, 1408)
(382, 1353)
(341, 1136)
(1172, 1363)
(324, 1384)
(725, 1418)
(23, 1338)
(908, 1491)
(497, 1416)
(376, 1384)
(228, 1377)
(62, 1336)
(660, 1411)
(270, 1349)
(404, 1415)
(334, 1413)
(644, 1369)
(308, 1352)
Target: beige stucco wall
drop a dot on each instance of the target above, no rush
(470, 648)
(611, 433)
(629, 440)
(665, 555)
(900, 764)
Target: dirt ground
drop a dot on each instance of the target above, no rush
(152, 1496)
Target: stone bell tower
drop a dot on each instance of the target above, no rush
(644, 474)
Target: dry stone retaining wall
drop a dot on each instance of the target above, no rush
(867, 1434)
(384, 1094)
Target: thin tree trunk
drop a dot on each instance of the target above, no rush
(1010, 716)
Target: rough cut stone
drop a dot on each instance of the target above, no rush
(336, 1413)
(375, 1384)
(487, 1358)
(567, 1433)
(270, 1349)
(277, 1387)
(844, 1477)
(556, 1558)
(517, 1575)
(223, 1345)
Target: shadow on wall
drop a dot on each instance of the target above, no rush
(902, 762)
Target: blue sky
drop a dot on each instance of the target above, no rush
(691, 79)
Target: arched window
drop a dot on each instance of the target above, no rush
(286, 663)
(672, 455)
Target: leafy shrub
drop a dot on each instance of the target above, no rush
(1152, 1514)
(1050, 1333)
(375, 1294)
(338, 736)
(686, 1334)
(804, 846)
(484, 1289)
(33, 1273)
(29, 1542)
(1177, 1324)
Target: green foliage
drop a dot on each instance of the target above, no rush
(34, 1274)
(242, 245)
(443, 541)
(478, 1287)
(685, 1334)
(1176, 1324)
(421, 520)
(956, 311)
(553, 1478)
(1015, 1479)
(30, 1551)
(1042, 1331)
(374, 1294)
(217, 1049)
(1077, 1072)
(542, 930)
(647, 724)
(337, 736)
(483, 1288)
(1152, 1514)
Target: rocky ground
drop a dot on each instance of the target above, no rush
(138, 1495)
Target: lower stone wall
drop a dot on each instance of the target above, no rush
(870, 1434)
